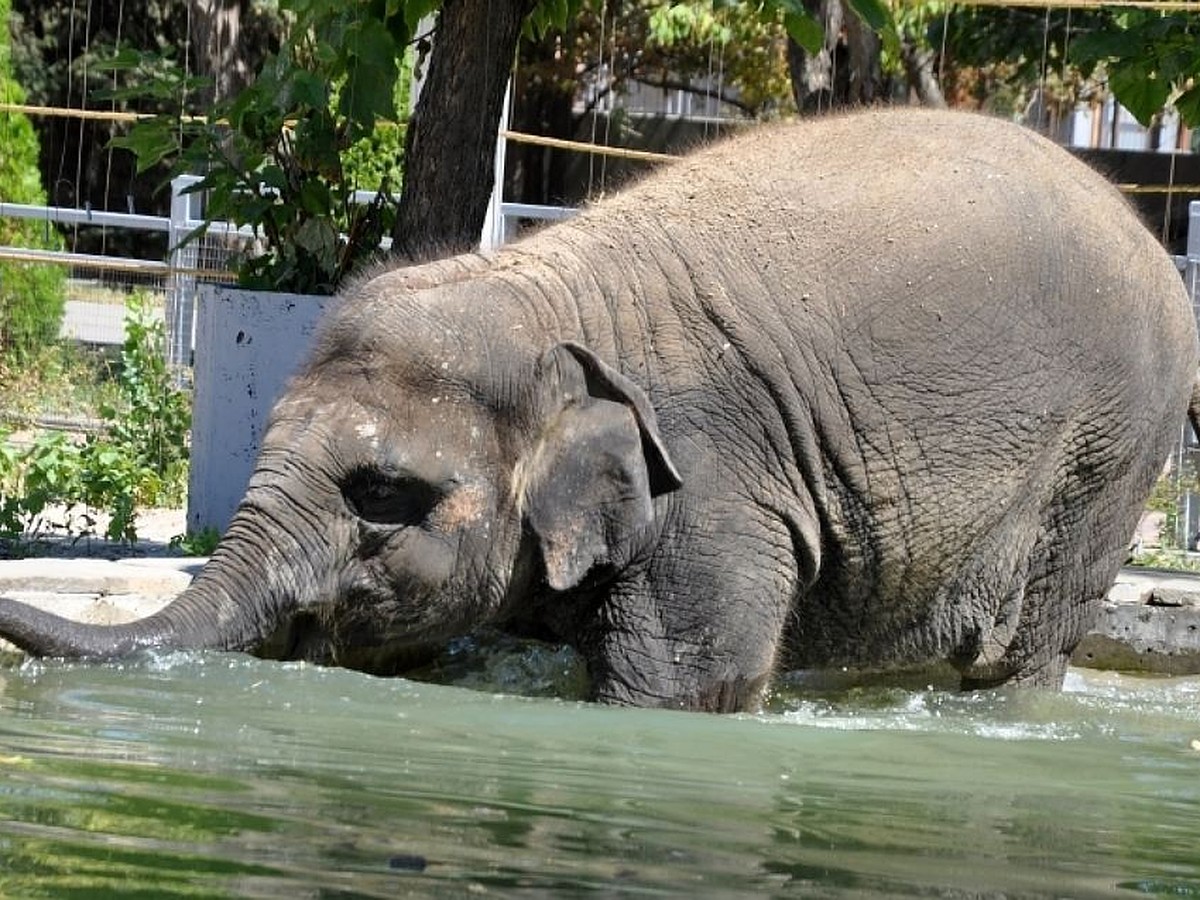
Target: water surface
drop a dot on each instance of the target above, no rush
(222, 776)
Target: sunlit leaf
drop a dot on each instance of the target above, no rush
(875, 13)
(805, 31)
(1142, 92)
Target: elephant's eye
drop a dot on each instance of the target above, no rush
(389, 499)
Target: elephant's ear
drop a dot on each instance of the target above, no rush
(589, 482)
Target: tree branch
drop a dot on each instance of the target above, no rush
(667, 83)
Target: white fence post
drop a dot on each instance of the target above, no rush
(1193, 246)
(494, 226)
(181, 285)
(1187, 528)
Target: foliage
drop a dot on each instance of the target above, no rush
(707, 20)
(150, 421)
(58, 52)
(1146, 58)
(1164, 498)
(1151, 58)
(197, 543)
(737, 51)
(138, 460)
(1166, 558)
(701, 21)
(745, 42)
(32, 296)
(272, 156)
(63, 378)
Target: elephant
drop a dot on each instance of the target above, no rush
(876, 390)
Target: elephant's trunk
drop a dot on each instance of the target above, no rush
(226, 608)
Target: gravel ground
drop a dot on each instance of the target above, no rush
(155, 529)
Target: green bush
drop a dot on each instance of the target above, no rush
(138, 460)
(32, 295)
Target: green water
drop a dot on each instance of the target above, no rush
(221, 776)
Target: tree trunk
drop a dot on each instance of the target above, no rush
(846, 72)
(451, 142)
(919, 71)
(216, 36)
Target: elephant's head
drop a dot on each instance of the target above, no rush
(420, 476)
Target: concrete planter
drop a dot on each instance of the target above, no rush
(248, 343)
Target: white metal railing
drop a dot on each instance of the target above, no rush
(1187, 526)
(182, 268)
(66, 215)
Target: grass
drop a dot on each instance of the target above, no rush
(63, 380)
(1174, 560)
(91, 291)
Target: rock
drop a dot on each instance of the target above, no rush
(1137, 637)
(1171, 597)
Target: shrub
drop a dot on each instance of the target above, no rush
(138, 460)
(32, 295)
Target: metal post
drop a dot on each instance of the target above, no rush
(181, 287)
(1193, 242)
(493, 223)
(1189, 503)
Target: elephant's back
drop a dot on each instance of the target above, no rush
(826, 225)
(932, 268)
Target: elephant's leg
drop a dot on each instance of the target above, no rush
(700, 629)
(1058, 603)
(1081, 544)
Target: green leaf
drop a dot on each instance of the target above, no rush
(1091, 47)
(315, 197)
(305, 89)
(1139, 90)
(416, 10)
(318, 238)
(367, 96)
(558, 13)
(549, 15)
(805, 31)
(1188, 105)
(877, 16)
(273, 176)
(151, 140)
(371, 44)
(129, 58)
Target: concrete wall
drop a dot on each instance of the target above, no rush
(247, 345)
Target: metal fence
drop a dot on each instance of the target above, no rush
(1186, 460)
(97, 286)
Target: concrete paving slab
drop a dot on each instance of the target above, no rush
(95, 609)
(51, 575)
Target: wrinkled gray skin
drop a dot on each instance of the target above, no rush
(881, 391)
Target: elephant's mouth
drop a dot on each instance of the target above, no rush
(378, 620)
(355, 637)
